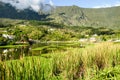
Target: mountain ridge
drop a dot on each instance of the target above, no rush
(69, 15)
(7, 11)
(95, 17)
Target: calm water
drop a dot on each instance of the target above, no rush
(23, 51)
(14, 53)
(19, 52)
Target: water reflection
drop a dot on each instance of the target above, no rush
(23, 51)
(20, 52)
(14, 53)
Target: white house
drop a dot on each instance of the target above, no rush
(92, 39)
(8, 36)
(83, 40)
(117, 41)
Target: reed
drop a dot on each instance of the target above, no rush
(99, 61)
(86, 63)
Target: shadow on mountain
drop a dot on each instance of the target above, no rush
(7, 11)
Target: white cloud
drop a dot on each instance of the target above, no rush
(108, 5)
(103, 6)
(35, 5)
(117, 4)
(51, 3)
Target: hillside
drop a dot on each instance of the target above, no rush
(68, 15)
(106, 17)
(7, 11)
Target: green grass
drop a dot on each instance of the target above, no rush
(100, 61)
(12, 46)
(88, 62)
(56, 46)
(26, 69)
(40, 48)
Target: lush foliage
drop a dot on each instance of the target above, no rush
(23, 31)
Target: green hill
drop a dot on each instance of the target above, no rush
(74, 15)
(68, 15)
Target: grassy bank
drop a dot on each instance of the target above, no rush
(12, 46)
(98, 62)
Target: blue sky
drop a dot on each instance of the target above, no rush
(87, 3)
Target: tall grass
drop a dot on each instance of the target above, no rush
(26, 69)
(87, 63)
(98, 62)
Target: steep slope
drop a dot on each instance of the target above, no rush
(73, 15)
(68, 15)
(104, 16)
(7, 11)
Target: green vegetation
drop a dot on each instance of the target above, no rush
(12, 46)
(57, 46)
(24, 31)
(69, 65)
(70, 43)
(74, 15)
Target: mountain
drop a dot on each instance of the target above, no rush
(74, 15)
(7, 11)
(68, 15)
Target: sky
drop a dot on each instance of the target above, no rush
(87, 3)
(37, 5)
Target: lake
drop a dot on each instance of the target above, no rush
(12, 52)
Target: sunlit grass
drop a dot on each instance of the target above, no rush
(12, 46)
(100, 61)
(85, 63)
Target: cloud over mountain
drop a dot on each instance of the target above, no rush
(35, 5)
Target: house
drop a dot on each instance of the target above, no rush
(95, 35)
(83, 40)
(92, 39)
(8, 36)
(51, 29)
(117, 40)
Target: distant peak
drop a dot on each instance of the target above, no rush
(75, 6)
